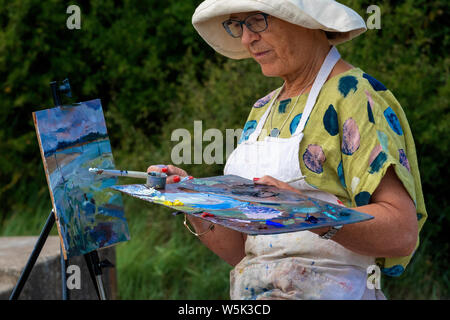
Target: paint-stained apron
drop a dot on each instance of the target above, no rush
(297, 265)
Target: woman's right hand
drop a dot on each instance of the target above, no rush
(174, 174)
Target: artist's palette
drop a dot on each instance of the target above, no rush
(238, 204)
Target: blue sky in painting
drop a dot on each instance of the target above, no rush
(63, 124)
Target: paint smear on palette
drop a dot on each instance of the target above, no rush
(250, 215)
(350, 137)
(314, 157)
(260, 212)
(73, 139)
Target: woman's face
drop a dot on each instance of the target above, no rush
(283, 48)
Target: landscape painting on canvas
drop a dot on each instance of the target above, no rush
(89, 214)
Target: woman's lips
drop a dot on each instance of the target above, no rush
(260, 54)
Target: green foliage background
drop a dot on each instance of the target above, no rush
(154, 74)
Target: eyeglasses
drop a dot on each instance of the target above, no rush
(256, 23)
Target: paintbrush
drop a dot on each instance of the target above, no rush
(296, 179)
(119, 173)
(154, 179)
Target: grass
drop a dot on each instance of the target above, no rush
(164, 261)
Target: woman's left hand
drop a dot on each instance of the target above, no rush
(271, 181)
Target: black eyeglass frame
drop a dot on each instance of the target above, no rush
(242, 22)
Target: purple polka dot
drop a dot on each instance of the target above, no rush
(350, 137)
(314, 157)
(403, 159)
(263, 101)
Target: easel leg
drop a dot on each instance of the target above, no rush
(33, 257)
(93, 264)
(64, 290)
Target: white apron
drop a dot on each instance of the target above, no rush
(297, 265)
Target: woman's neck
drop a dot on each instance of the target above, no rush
(302, 79)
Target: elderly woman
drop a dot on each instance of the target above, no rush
(330, 122)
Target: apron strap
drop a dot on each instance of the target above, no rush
(325, 70)
(330, 61)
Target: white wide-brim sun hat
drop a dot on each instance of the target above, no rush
(340, 22)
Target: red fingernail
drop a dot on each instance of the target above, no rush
(164, 170)
(255, 179)
(176, 179)
(207, 214)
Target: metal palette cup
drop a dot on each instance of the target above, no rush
(156, 180)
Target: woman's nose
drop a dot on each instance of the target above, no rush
(248, 36)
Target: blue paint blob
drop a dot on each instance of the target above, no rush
(346, 84)
(378, 162)
(362, 198)
(311, 219)
(393, 121)
(340, 171)
(305, 210)
(330, 121)
(376, 85)
(283, 104)
(394, 271)
(249, 127)
(275, 224)
(370, 113)
(345, 213)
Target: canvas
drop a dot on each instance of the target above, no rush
(72, 139)
(239, 204)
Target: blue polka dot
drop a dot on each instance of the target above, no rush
(330, 121)
(282, 106)
(294, 123)
(378, 162)
(376, 85)
(249, 127)
(340, 171)
(394, 271)
(346, 84)
(370, 113)
(393, 121)
(362, 198)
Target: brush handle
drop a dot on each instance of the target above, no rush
(296, 179)
(120, 173)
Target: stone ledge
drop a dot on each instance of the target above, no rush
(44, 282)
